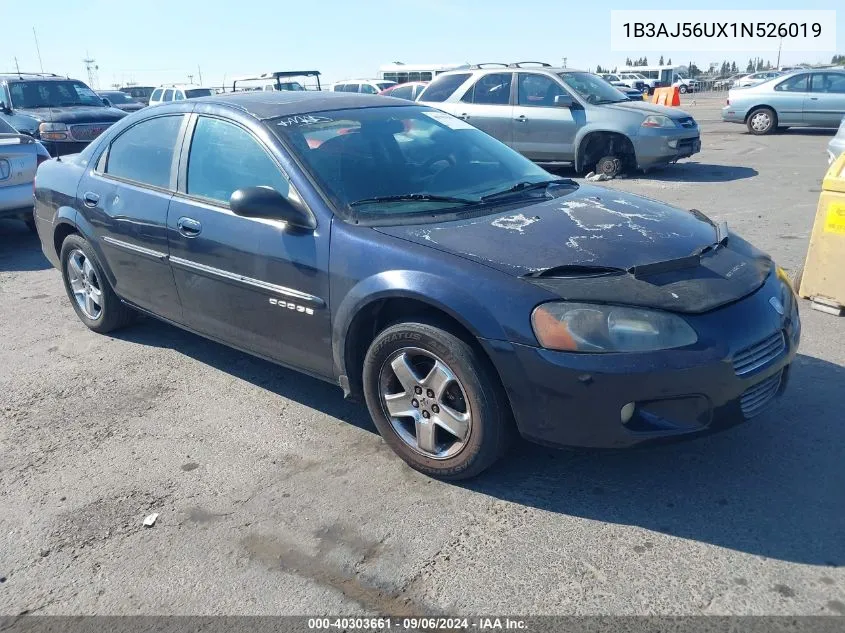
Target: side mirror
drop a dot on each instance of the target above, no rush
(106, 102)
(563, 101)
(4, 108)
(264, 202)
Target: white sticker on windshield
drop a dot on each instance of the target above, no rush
(448, 120)
(84, 91)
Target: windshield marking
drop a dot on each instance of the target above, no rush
(516, 222)
(304, 119)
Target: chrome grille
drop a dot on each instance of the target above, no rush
(755, 399)
(87, 131)
(759, 355)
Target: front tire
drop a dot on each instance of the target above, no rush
(436, 401)
(762, 121)
(90, 293)
(682, 89)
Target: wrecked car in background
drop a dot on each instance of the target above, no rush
(560, 115)
(423, 266)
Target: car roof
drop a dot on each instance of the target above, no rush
(271, 104)
(33, 76)
(352, 81)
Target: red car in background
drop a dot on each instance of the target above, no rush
(410, 90)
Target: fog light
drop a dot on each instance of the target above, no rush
(627, 412)
(673, 144)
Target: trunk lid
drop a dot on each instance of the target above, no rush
(18, 159)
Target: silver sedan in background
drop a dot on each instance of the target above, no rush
(20, 156)
(811, 98)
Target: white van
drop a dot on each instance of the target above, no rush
(279, 80)
(367, 86)
(166, 94)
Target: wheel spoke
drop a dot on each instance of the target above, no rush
(455, 422)
(76, 285)
(88, 269)
(426, 435)
(404, 372)
(399, 405)
(438, 378)
(96, 296)
(90, 306)
(75, 266)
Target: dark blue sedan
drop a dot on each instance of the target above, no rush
(392, 249)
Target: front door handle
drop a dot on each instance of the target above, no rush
(814, 98)
(521, 119)
(464, 116)
(90, 199)
(188, 227)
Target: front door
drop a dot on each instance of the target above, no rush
(487, 105)
(789, 102)
(543, 131)
(125, 200)
(825, 103)
(253, 283)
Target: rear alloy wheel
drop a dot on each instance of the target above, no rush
(435, 401)
(762, 121)
(682, 89)
(89, 291)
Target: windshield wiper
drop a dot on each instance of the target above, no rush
(606, 101)
(528, 186)
(679, 263)
(413, 197)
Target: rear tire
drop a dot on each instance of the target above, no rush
(406, 364)
(762, 121)
(88, 289)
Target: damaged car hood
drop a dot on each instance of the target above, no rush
(588, 245)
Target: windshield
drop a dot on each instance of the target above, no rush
(592, 89)
(52, 94)
(291, 85)
(193, 93)
(387, 162)
(118, 97)
(385, 84)
(142, 93)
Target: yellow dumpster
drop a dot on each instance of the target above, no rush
(822, 278)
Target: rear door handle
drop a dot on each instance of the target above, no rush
(90, 199)
(188, 227)
(463, 116)
(521, 119)
(814, 98)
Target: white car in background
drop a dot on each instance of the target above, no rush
(837, 143)
(178, 92)
(756, 78)
(367, 86)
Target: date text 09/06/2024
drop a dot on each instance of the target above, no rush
(416, 623)
(723, 29)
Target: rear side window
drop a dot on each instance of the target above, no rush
(492, 89)
(350, 88)
(828, 83)
(156, 94)
(368, 89)
(214, 176)
(798, 83)
(144, 152)
(178, 96)
(168, 95)
(403, 92)
(443, 87)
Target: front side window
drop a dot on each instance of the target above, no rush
(403, 92)
(798, 83)
(338, 88)
(828, 83)
(212, 172)
(52, 94)
(119, 97)
(443, 87)
(380, 163)
(177, 95)
(144, 152)
(491, 89)
(538, 90)
(592, 89)
(168, 95)
(368, 89)
(386, 84)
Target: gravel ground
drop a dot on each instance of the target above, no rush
(275, 496)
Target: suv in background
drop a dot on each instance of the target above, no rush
(367, 86)
(64, 114)
(166, 94)
(139, 93)
(560, 115)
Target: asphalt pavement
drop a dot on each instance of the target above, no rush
(276, 496)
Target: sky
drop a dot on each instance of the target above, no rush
(157, 41)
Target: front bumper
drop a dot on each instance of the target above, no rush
(659, 147)
(566, 399)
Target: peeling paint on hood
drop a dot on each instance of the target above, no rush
(590, 226)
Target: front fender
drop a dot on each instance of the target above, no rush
(434, 290)
(582, 134)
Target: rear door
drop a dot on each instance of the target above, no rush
(488, 105)
(543, 131)
(125, 199)
(18, 162)
(790, 99)
(825, 103)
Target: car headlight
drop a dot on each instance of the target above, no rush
(583, 327)
(53, 131)
(658, 120)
